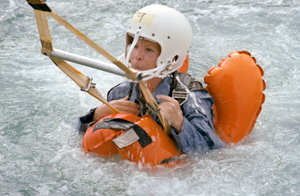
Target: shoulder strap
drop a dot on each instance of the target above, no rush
(131, 89)
(178, 89)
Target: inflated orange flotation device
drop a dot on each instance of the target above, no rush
(99, 141)
(237, 88)
(185, 65)
(152, 145)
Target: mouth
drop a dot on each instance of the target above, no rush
(137, 67)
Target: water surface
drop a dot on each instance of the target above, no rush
(40, 150)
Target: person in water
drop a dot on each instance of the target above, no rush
(158, 41)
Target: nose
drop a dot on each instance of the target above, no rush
(137, 53)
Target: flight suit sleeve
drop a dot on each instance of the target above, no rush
(118, 92)
(85, 121)
(197, 133)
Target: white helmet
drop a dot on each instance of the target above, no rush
(165, 26)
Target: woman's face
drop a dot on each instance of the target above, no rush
(144, 55)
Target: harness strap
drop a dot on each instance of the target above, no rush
(179, 89)
(131, 89)
(42, 23)
(119, 123)
(80, 79)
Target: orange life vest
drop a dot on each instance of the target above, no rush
(153, 146)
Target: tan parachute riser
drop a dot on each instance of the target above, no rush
(42, 24)
(80, 79)
(153, 104)
(47, 48)
(131, 74)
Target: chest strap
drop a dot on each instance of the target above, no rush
(179, 89)
(118, 123)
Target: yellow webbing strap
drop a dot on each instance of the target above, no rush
(154, 105)
(80, 79)
(129, 72)
(40, 10)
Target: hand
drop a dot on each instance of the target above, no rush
(123, 105)
(171, 111)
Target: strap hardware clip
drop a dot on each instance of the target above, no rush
(180, 96)
(90, 85)
(151, 110)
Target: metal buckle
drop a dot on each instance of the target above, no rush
(151, 110)
(180, 96)
(90, 85)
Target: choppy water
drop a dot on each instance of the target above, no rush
(40, 151)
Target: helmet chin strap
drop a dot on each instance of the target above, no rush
(156, 72)
(136, 38)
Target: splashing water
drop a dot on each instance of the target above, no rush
(192, 94)
(40, 150)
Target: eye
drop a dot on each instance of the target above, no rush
(149, 50)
